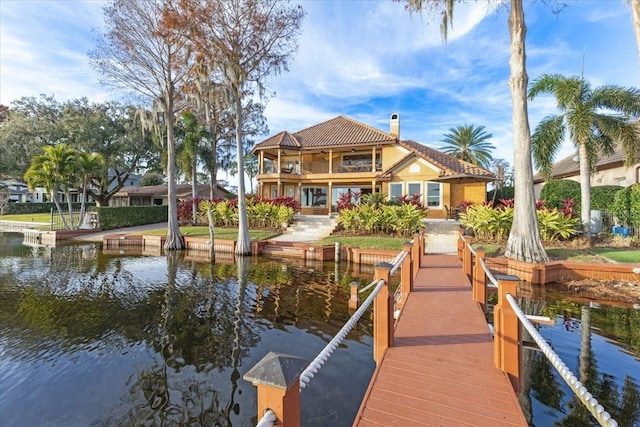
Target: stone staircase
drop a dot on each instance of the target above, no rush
(308, 228)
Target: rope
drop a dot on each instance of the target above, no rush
(602, 416)
(398, 262)
(488, 272)
(473, 251)
(366, 288)
(268, 419)
(321, 358)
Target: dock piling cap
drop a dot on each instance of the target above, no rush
(277, 370)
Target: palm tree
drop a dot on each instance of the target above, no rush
(635, 16)
(596, 120)
(469, 143)
(52, 171)
(524, 242)
(88, 166)
(190, 152)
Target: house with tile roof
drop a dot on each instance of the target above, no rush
(157, 195)
(609, 170)
(319, 164)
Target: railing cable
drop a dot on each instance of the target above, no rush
(487, 271)
(269, 419)
(321, 358)
(590, 402)
(369, 286)
(397, 262)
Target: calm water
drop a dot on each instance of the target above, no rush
(93, 339)
(88, 338)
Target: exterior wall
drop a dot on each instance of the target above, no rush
(391, 154)
(314, 170)
(622, 176)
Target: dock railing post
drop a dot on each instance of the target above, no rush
(506, 342)
(406, 275)
(415, 253)
(382, 313)
(460, 244)
(467, 256)
(480, 280)
(354, 298)
(277, 377)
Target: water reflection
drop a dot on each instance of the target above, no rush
(600, 346)
(90, 338)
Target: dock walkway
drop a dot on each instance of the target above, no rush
(440, 370)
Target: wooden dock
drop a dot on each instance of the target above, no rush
(440, 370)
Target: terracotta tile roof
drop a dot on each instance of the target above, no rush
(339, 131)
(449, 165)
(282, 139)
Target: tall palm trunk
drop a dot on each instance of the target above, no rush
(54, 197)
(524, 242)
(635, 13)
(585, 190)
(243, 246)
(194, 193)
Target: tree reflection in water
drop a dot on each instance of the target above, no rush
(621, 398)
(126, 340)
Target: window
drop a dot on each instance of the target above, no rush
(434, 193)
(395, 190)
(622, 182)
(414, 188)
(314, 196)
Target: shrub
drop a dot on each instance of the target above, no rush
(626, 206)
(556, 191)
(129, 216)
(556, 225)
(185, 210)
(400, 219)
(602, 197)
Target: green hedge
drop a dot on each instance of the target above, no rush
(555, 192)
(33, 208)
(626, 206)
(602, 196)
(130, 216)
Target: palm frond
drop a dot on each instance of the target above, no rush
(546, 141)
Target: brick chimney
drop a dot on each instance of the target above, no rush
(394, 125)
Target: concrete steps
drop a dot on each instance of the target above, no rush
(308, 228)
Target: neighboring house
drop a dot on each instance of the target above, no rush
(318, 164)
(18, 191)
(156, 195)
(609, 170)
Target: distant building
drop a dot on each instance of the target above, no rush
(610, 170)
(18, 191)
(156, 195)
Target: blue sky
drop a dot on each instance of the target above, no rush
(363, 59)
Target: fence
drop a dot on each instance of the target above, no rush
(507, 317)
(280, 377)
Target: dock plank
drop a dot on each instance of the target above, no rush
(440, 371)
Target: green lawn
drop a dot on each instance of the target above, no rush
(221, 233)
(368, 242)
(620, 255)
(39, 217)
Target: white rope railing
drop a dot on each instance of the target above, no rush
(269, 419)
(590, 402)
(369, 286)
(487, 271)
(324, 355)
(397, 262)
